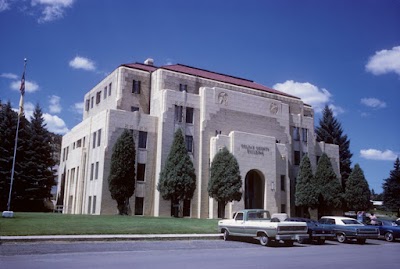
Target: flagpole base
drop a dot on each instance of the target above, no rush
(8, 214)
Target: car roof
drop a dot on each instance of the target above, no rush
(336, 217)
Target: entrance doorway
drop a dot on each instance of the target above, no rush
(254, 190)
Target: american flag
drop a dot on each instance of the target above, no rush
(22, 89)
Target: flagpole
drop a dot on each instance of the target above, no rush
(21, 104)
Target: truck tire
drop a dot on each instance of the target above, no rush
(226, 235)
(264, 240)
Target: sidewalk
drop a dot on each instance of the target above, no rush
(107, 237)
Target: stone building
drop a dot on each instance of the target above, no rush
(266, 130)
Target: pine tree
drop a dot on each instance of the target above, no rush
(225, 181)
(121, 181)
(329, 190)
(8, 123)
(391, 189)
(357, 194)
(177, 178)
(39, 163)
(306, 192)
(330, 131)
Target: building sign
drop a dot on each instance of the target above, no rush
(254, 150)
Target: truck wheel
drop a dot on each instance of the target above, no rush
(264, 240)
(226, 235)
(341, 238)
(389, 237)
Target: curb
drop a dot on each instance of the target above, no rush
(107, 237)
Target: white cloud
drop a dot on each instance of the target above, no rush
(30, 86)
(373, 102)
(336, 110)
(55, 124)
(9, 75)
(384, 61)
(51, 9)
(309, 93)
(375, 154)
(55, 106)
(4, 5)
(82, 63)
(78, 108)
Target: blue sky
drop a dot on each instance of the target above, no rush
(342, 53)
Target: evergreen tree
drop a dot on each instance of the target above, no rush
(8, 123)
(306, 192)
(39, 163)
(357, 194)
(330, 131)
(121, 181)
(177, 178)
(225, 180)
(329, 190)
(391, 189)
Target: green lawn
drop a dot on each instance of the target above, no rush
(62, 224)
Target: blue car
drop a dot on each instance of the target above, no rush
(315, 232)
(389, 229)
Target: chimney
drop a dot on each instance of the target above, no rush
(149, 61)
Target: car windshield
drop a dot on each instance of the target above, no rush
(350, 221)
(259, 215)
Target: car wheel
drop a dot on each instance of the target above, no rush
(320, 241)
(389, 237)
(264, 240)
(361, 241)
(341, 238)
(226, 235)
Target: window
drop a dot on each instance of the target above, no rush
(283, 208)
(66, 156)
(136, 86)
(98, 137)
(182, 87)
(87, 104)
(296, 157)
(296, 134)
(141, 168)
(186, 208)
(105, 92)
(142, 140)
(94, 205)
(91, 171)
(73, 145)
(189, 143)
(94, 139)
(109, 89)
(189, 115)
(239, 216)
(79, 143)
(89, 204)
(97, 171)
(283, 185)
(178, 113)
(139, 206)
(98, 97)
(91, 102)
(304, 132)
(134, 108)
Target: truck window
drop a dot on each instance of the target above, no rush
(239, 216)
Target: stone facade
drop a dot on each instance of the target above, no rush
(267, 131)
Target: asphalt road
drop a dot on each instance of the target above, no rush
(198, 254)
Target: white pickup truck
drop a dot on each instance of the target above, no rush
(257, 223)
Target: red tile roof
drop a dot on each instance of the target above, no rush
(180, 68)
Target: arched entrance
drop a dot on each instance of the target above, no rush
(254, 190)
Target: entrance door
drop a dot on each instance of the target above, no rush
(254, 190)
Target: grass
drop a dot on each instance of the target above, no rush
(63, 224)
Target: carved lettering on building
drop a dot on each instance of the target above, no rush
(254, 150)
